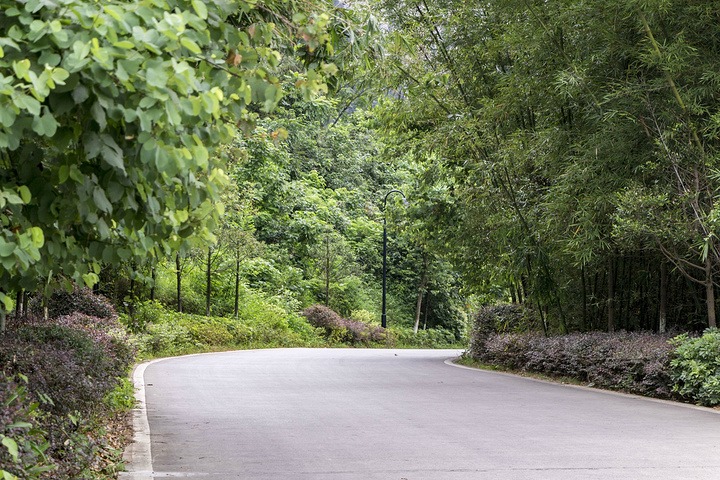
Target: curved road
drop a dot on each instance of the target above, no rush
(363, 414)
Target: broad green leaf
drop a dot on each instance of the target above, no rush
(101, 200)
(25, 194)
(21, 68)
(190, 45)
(45, 125)
(6, 249)
(38, 238)
(98, 114)
(7, 442)
(63, 173)
(7, 117)
(200, 9)
(90, 279)
(59, 75)
(156, 75)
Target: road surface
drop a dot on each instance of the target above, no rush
(364, 414)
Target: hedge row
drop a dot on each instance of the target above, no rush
(683, 367)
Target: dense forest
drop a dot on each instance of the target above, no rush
(556, 154)
(575, 148)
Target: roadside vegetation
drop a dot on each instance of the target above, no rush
(65, 393)
(219, 174)
(676, 367)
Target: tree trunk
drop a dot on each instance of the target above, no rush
(208, 277)
(237, 282)
(520, 298)
(427, 309)
(611, 295)
(2, 321)
(18, 303)
(178, 274)
(327, 271)
(710, 293)
(152, 289)
(584, 295)
(421, 292)
(662, 320)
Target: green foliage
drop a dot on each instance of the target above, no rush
(562, 143)
(504, 319)
(122, 397)
(695, 367)
(22, 443)
(112, 115)
(363, 316)
(260, 324)
(431, 338)
(76, 367)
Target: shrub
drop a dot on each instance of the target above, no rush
(144, 313)
(431, 338)
(73, 365)
(260, 324)
(320, 316)
(63, 302)
(75, 359)
(695, 368)
(338, 329)
(163, 339)
(363, 316)
(23, 447)
(635, 362)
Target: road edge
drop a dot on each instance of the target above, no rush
(138, 455)
(451, 362)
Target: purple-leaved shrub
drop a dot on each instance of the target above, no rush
(633, 362)
(81, 300)
(71, 364)
(343, 329)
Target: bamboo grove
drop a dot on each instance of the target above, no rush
(577, 146)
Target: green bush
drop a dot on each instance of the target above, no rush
(22, 443)
(260, 323)
(144, 314)
(431, 338)
(363, 316)
(695, 367)
(163, 339)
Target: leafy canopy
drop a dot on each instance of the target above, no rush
(111, 113)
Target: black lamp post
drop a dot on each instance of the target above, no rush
(384, 316)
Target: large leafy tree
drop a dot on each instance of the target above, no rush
(111, 114)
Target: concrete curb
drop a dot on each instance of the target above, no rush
(138, 455)
(451, 362)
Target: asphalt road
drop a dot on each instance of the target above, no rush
(358, 414)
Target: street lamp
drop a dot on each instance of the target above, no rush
(384, 316)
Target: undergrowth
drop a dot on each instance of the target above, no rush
(63, 380)
(684, 367)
